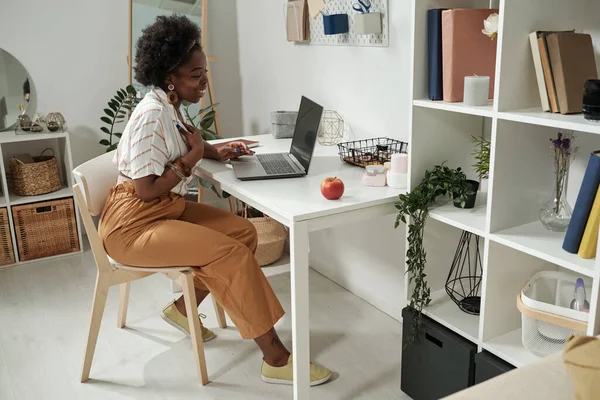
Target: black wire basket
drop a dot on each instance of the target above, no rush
(370, 151)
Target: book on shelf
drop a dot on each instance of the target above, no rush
(589, 241)
(572, 62)
(583, 204)
(543, 72)
(466, 51)
(434, 53)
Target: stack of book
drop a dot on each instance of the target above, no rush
(457, 48)
(582, 233)
(563, 61)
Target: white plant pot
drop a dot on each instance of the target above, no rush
(367, 24)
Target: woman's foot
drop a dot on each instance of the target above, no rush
(175, 318)
(285, 375)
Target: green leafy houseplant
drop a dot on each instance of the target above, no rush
(120, 105)
(413, 209)
(482, 156)
(204, 121)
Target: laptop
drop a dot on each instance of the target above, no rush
(293, 164)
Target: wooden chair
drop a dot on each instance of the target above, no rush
(94, 179)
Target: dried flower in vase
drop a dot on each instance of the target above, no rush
(556, 213)
(490, 26)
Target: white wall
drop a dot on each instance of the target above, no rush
(76, 53)
(369, 88)
(223, 44)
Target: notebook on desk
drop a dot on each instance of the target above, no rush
(293, 164)
(250, 143)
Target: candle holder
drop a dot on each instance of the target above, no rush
(463, 284)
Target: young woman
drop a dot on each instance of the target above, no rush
(147, 222)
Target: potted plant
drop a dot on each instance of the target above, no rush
(122, 104)
(481, 166)
(413, 208)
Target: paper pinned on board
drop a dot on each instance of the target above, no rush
(315, 7)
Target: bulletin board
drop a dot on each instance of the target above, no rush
(318, 37)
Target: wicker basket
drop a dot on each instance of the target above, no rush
(271, 237)
(45, 229)
(35, 178)
(271, 240)
(7, 254)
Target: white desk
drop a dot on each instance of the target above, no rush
(298, 204)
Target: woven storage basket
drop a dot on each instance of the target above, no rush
(36, 178)
(271, 237)
(7, 254)
(271, 240)
(546, 317)
(45, 229)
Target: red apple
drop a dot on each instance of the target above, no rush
(332, 188)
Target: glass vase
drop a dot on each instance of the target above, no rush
(556, 212)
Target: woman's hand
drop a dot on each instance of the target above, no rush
(233, 150)
(192, 136)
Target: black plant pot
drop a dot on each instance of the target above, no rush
(472, 186)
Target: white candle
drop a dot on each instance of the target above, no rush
(477, 89)
(400, 163)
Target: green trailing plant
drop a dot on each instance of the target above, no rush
(121, 105)
(482, 156)
(413, 210)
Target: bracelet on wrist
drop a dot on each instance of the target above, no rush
(187, 171)
(179, 174)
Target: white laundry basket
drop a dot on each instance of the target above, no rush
(546, 317)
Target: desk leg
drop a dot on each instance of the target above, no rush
(300, 306)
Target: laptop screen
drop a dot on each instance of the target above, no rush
(305, 134)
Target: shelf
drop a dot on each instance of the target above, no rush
(59, 194)
(2, 201)
(471, 220)
(539, 242)
(12, 137)
(536, 116)
(484, 111)
(443, 310)
(510, 348)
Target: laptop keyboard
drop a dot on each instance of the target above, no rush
(275, 164)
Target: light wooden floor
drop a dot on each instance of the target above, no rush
(44, 311)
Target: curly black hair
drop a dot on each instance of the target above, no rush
(164, 46)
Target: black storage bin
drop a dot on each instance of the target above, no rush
(488, 366)
(438, 364)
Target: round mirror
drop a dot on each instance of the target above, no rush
(16, 91)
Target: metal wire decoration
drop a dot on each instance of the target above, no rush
(331, 131)
(464, 279)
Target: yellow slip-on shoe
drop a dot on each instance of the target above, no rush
(173, 317)
(285, 375)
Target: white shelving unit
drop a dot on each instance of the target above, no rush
(12, 144)
(514, 243)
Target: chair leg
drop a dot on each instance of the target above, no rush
(98, 304)
(220, 314)
(123, 304)
(189, 295)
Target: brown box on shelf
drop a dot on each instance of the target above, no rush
(572, 63)
(7, 254)
(45, 229)
(466, 51)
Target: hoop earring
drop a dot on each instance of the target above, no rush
(172, 97)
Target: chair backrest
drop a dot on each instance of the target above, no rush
(94, 179)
